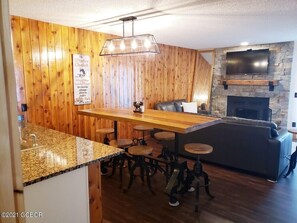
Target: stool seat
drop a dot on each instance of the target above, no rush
(198, 148)
(121, 143)
(140, 150)
(105, 131)
(166, 136)
(143, 128)
(138, 156)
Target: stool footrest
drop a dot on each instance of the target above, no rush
(158, 159)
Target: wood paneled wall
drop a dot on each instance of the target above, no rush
(202, 81)
(43, 68)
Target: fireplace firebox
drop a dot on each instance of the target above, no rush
(249, 107)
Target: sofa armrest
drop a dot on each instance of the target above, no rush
(277, 158)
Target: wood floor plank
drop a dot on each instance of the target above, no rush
(239, 197)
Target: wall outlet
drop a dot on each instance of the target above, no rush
(293, 124)
(295, 95)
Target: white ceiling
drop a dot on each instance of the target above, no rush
(196, 24)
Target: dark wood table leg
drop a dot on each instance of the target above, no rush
(115, 126)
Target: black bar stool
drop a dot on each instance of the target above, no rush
(119, 161)
(105, 132)
(138, 154)
(199, 149)
(165, 138)
(142, 129)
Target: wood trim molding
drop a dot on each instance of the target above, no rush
(10, 165)
(95, 199)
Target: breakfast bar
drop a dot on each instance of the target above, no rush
(61, 175)
(180, 123)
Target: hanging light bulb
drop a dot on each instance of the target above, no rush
(111, 47)
(122, 45)
(147, 43)
(134, 44)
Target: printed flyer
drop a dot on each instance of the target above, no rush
(81, 79)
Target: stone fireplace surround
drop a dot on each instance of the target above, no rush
(279, 68)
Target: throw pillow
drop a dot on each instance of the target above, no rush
(190, 107)
(273, 125)
(274, 133)
(274, 128)
(178, 107)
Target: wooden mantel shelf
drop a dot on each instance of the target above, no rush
(270, 83)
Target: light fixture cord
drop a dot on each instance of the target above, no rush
(123, 28)
(133, 27)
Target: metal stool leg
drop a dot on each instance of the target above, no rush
(292, 165)
(131, 176)
(142, 168)
(148, 180)
(104, 163)
(197, 196)
(106, 140)
(198, 172)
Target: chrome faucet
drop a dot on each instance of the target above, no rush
(33, 137)
(22, 140)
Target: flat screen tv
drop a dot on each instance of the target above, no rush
(248, 62)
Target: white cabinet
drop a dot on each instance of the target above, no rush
(63, 198)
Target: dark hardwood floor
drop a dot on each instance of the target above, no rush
(239, 197)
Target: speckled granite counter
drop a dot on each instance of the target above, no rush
(57, 153)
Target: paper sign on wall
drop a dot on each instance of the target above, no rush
(81, 79)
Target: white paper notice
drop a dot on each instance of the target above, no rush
(81, 79)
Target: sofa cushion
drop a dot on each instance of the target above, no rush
(178, 106)
(168, 105)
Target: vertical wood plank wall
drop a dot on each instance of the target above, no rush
(202, 81)
(43, 68)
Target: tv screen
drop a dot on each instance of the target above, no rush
(247, 62)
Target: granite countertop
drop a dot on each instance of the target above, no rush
(57, 153)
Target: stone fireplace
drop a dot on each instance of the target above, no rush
(248, 107)
(279, 68)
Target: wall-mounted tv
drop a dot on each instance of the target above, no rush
(247, 62)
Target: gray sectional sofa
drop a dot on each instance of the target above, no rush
(253, 146)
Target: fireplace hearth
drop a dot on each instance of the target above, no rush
(249, 107)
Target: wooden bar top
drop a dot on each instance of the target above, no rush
(170, 121)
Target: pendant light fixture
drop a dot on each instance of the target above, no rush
(139, 44)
